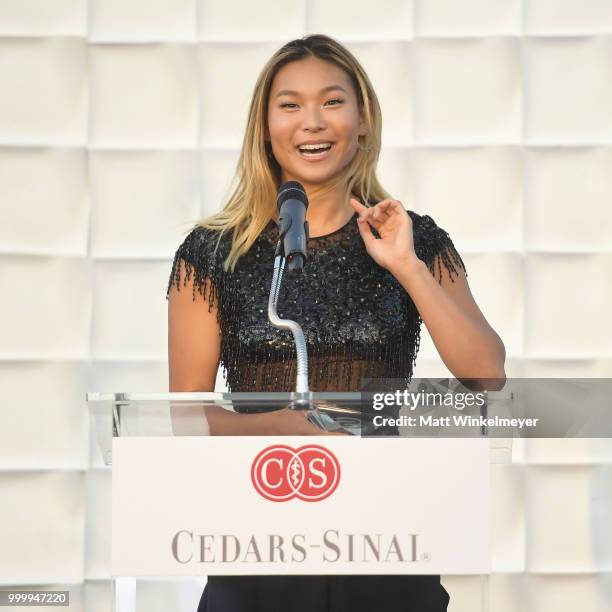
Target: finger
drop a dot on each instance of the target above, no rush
(364, 211)
(393, 207)
(380, 212)
(367, 216)
(385, 205)
(365, 230)
(359, 208)
(357, 205)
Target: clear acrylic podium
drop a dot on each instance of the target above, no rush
(177, 415)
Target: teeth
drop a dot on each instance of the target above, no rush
(317, 147)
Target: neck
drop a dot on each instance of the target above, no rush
(328, 212)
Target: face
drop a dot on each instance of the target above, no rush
(313, 121)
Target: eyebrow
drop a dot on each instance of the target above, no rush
(290, 92)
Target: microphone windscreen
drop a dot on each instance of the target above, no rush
(291, 190)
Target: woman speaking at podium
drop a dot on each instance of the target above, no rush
(374, 271)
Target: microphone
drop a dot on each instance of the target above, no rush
(292, 203)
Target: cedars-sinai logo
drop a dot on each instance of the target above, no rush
(280, 473)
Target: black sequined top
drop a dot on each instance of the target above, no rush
(358, 321)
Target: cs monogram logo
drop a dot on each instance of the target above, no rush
(280, 473)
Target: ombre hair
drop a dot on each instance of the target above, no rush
(252, 204)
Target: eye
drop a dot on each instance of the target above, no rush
(336, 100)
(287, 104)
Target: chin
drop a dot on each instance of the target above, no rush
(314, 179)
(308, 181)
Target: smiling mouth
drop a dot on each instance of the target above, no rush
(315, 152)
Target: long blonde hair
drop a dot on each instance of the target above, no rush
(252, 203)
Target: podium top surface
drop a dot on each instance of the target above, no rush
(196, 396)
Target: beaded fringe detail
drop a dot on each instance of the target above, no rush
(357, 319)
(434, 246)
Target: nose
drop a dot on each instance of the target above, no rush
(313, 119)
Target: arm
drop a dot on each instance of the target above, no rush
(194, 339)
(467, 344)
(194, 347)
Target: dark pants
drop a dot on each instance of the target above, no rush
(352, 593)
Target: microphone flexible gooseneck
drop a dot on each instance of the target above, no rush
(292, 203)
(291, 248)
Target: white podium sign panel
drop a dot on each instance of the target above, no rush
(187, 506)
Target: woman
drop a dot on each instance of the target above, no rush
(374, 271)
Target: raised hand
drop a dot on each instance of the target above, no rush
(395, 248)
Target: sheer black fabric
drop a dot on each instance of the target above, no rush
(359, 323)
(358, 320)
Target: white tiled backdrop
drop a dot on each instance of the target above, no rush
(120, 123)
